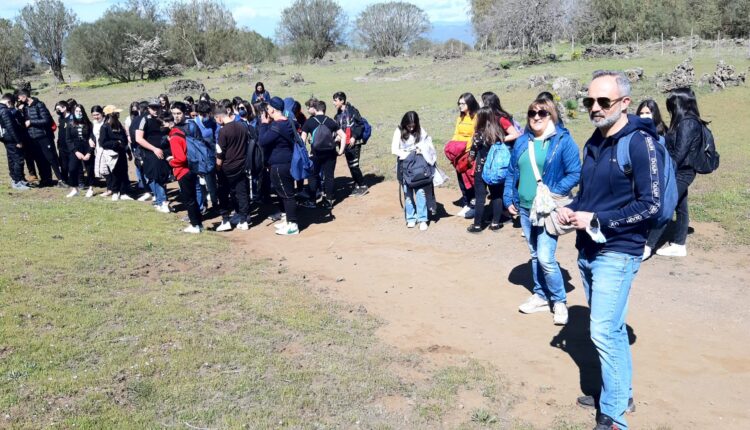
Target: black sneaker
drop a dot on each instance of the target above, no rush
(309, 204)
(590, 403)
(474, 228)
(326, 204)
(495, 227)
(605, 423)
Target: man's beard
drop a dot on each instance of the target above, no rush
(602, 122)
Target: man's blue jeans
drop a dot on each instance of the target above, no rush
(415, 204)
(159, 191)
(548, 279)
(607, 278)
(203, 191)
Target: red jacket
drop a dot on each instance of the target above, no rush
(178, 145)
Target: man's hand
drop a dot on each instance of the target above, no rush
(580, 220)
(563, 215)
(28, 123)
(159, 153)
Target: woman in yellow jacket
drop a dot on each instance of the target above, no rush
(465, 124)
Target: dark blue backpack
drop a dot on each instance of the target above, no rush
(366, 131)
(668, 183)
(302, 166)
(201, 154)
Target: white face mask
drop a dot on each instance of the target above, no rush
(647, 115)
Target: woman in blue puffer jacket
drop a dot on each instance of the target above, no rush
(558, 162)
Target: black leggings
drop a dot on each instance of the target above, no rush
(189, 198)
(283, 183)
(495, 196)
(683, 218)
(325, 164)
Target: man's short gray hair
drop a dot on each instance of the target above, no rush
(623, 84)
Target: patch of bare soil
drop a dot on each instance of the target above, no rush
(447, 296)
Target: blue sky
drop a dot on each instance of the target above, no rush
(449, 17)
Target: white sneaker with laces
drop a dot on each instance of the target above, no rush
(672, 250)
(422, 226)
(163, 208)
(464, 210)
(90, 193)
(560, 310)
(647, 253)
(125, 197)
(115, 197)
(225, 226)
(72, 193)
(291, 230)
(193, 229)
(411, 224)
(534, 304)
(280, 225)
(243, 226)
(145, 197)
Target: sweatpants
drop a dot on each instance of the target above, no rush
(283, 183)
(64, 155)
(233, 187)
(188, 196)
(352, 154)
(50, 154)
(76, 168)
(15, 162)
(323, 165)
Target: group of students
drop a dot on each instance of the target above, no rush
(229, 153)
(528, 173)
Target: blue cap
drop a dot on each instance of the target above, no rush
(277, 103)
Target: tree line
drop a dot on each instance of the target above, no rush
(533, 22)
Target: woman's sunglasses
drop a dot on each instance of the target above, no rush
(541, 112)
(604, 102)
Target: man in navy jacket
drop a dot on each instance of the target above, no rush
(612, 212)
(13, 140)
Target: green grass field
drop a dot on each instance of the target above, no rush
(111, 318)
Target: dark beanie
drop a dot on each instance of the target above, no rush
(277, 104)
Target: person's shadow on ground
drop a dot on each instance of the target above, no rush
(521, 275)
(575, 339)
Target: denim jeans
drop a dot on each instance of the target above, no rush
(415, 212)
(548, 279)
(607, 278)
(204, 191)
(159, 192)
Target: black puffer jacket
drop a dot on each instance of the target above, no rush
(683, 141)
(40, 118)
(10, 125)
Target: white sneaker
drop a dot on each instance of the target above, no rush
(225, 226)
(125, 197)
(464, 210)
(647, 253)
(561, 313)
(193, 229)
(672, 250)
(243, 226)
(163, 208)
(422, 226)
(411, 224)
(290, 230)
(89, 193)
(115, 197)
(534, 304)
(280, 225)
(106, 193)
(144, 198)
(72, 193)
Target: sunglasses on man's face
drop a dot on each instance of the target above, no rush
(603, 102)
(541, 112)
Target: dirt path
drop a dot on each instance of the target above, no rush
(450, 295)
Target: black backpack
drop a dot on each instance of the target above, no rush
(416, 171)
(254, 159)
(705, 159)
(322, 138)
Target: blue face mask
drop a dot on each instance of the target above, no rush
(79, 116)
(242, 112)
